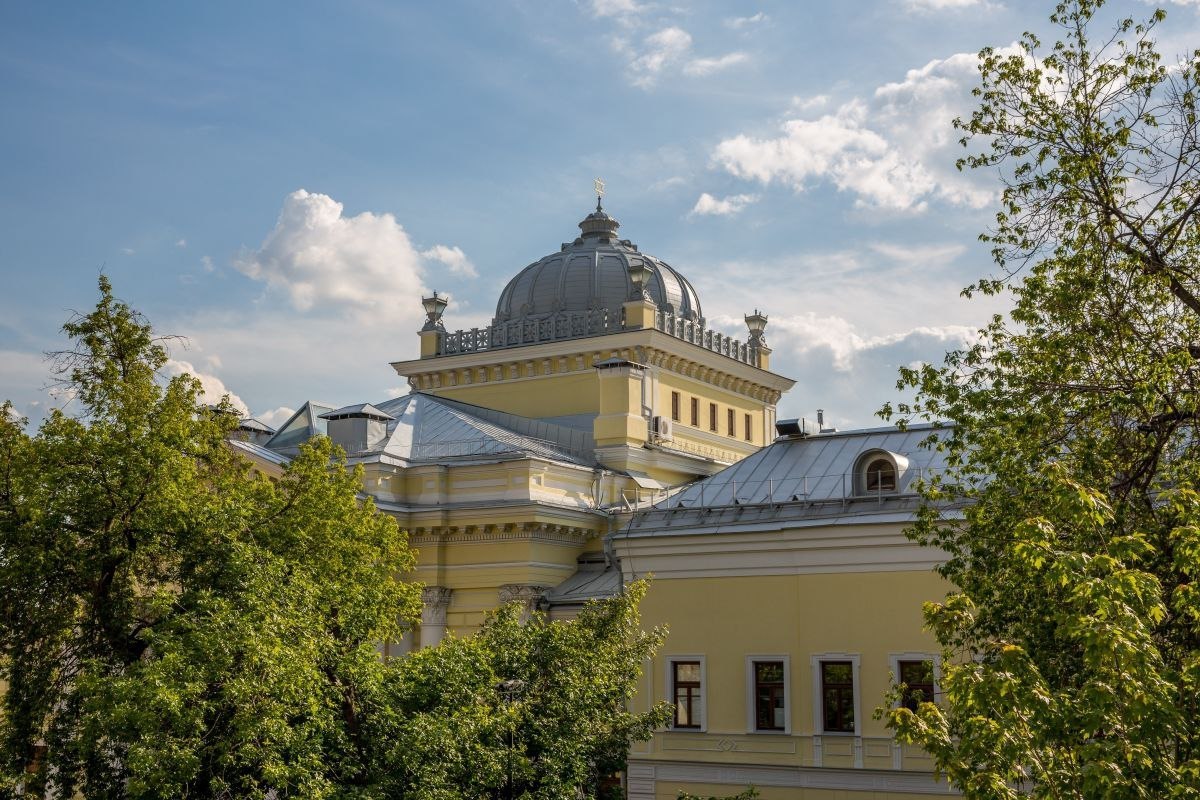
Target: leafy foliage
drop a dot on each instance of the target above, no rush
(532, 709)
(747, 794)
(1070, 510)
(171, 624)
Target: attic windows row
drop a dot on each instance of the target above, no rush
(713, 417)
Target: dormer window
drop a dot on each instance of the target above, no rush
(879, 472)
(880, 475)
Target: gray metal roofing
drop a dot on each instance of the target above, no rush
(357, 410)
(592, 273)
(593, 580)
(812, 468)
(252, 424)
(301, 426)
(428, 428)
(424, 428)
(260, 451)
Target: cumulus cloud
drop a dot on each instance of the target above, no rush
(317, 255)
(212, 388)
(842, 369)
(741, 22)
(699, 67)
(728, 206)
(615, 8)
(894, 150)
(668, 51)
(452, 257)
(276, 416)
(944, 5)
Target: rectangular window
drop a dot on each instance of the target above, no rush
(730, 416)
(837, 696)
(917, 677)
(712, 417)
(675, 406)
(686, 694)
(695, 412)
(749, 429)
(770, 701)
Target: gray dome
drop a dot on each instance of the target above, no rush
(592, 273)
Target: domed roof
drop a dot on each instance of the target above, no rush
(592, 273)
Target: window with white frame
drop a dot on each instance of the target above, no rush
(836, 703)
(919, 674)
(878, 472)
(768, 693)
(685, 690)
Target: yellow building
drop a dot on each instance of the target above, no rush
(597, 387)
(597, 432)
(793, 598)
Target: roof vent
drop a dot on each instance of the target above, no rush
(357, 428)
(789, 427)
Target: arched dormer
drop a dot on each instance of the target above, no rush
(879, 472)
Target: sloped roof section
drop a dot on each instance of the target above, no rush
(813, 469)
(357, 410)
(425, 428)
(428, 428)
(595, 579)
(302, 426)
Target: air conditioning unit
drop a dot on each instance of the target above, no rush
(661, 427)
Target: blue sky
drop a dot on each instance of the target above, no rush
(279, 183)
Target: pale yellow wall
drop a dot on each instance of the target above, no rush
(544, 395)
(725, 619)
(688, 388)
(669, 790)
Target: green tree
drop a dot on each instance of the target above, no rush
(170, 623)
(534, 709)
(1070, 515)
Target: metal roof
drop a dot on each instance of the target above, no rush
(301, 426)
(429, 428)
(359, 410)
(425, 428)
(595, 579)
(590, 273)
(260, 452)
(251, 424)
(814, 469)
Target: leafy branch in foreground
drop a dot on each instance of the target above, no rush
(1072, 646)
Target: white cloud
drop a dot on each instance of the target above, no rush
(894, 151)
(728, 206)
(699, 67)
(668, 51)
(658, 51)
(321, 258)
(809, 103)
(944, 5)
(128, 251)
(181, 243)
(207, 263)
(276, 416)
(452, 257)
(615, 8)
(740, 22)
(212, 388)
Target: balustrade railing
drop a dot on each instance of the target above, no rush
(579, 324)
